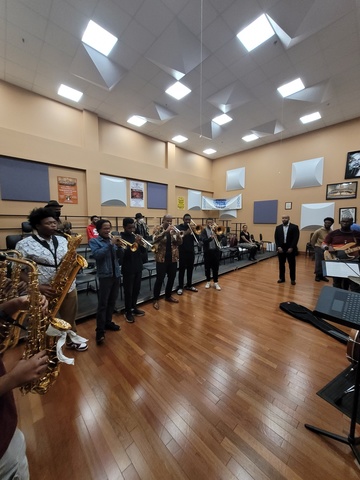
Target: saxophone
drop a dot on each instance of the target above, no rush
(66, 273)
(38, 323)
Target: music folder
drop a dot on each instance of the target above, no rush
(337, 268)
(339, 306)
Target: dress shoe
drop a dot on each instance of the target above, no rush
(112, 326)
(172, 299)
(156, 305)
(317, 279)
(324, 279)
(137, 312)
(281, 280)
(293, 282)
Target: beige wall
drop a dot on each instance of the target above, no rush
(268, 174)
(78, 144)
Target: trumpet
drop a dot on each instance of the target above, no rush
(120, 242)
(147, 244)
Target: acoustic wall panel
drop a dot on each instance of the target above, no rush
(157, 195)
(313, 214)
(308, 173)
(265, 211)
(235, 179)
(194, 200)
(113, 191)
(23, 180)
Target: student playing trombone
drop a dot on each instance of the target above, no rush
(212, 253)
(187, 254)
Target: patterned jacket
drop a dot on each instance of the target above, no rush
(160, 240)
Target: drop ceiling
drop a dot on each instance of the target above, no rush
(161, 41)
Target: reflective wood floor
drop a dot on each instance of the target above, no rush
(218, 386)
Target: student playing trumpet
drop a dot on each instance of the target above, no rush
(167, 240)
(131, 269)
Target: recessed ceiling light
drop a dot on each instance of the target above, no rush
(250, 138)
(256, 33)
(69, 93)
(178, 90)
(291, 87)
(209, 151)
(222, 119)
(98, 38)
(310, 118)
(137, 120)
(179, 139)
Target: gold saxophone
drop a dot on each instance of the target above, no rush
(66, 273)
(38, 323)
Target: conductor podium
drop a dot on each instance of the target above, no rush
(343, 307)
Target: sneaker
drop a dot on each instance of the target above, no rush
(207, 285)
(79, 347)
(129, 317)
(191, 289)
(179, 291)
(112, 326)
(137, 312)
(217, 286)
(100, 339)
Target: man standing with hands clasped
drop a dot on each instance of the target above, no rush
(286, 240)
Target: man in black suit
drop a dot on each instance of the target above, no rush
(286, 240)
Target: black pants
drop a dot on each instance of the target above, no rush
(186, 263)
(163, 269)
(211, 263)
(108, 293)
(290, 257)
(131, 285)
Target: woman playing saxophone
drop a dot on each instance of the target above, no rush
(57, 264)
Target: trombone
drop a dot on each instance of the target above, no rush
(120, 242)
(196, 228)
(217, 231)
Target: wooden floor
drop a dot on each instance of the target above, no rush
(216, 387)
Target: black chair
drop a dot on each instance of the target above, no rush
(12, 240)
(309, 249)
(26, 229)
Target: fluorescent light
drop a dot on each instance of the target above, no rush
(256, 33)
(250, 138)
(310, 118)
(69, 93)
(137, 120)
(291, 87)
(179, 139)
(209, 151)
(178, 90)
(99, 38)
(222, 119)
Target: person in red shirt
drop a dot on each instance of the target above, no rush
(91, 231)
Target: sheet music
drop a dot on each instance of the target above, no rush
(341, 269)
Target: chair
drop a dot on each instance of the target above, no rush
(12, 240)
(309, 249)
(89, 280)
(26, 229)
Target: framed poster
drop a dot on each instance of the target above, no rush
(352, 169)
(347, 212)
(337, 191)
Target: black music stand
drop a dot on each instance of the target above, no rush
(350, 440)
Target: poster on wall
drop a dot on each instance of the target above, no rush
(67, 190)
(181, 203)
(136, 194)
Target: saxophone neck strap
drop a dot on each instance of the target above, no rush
(46, 245)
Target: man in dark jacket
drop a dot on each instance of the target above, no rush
(286, 240)
(105, 252)
(131, 269)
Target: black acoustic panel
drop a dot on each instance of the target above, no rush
(156, 195)
(265, 211)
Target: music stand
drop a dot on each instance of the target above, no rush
(350, 440)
